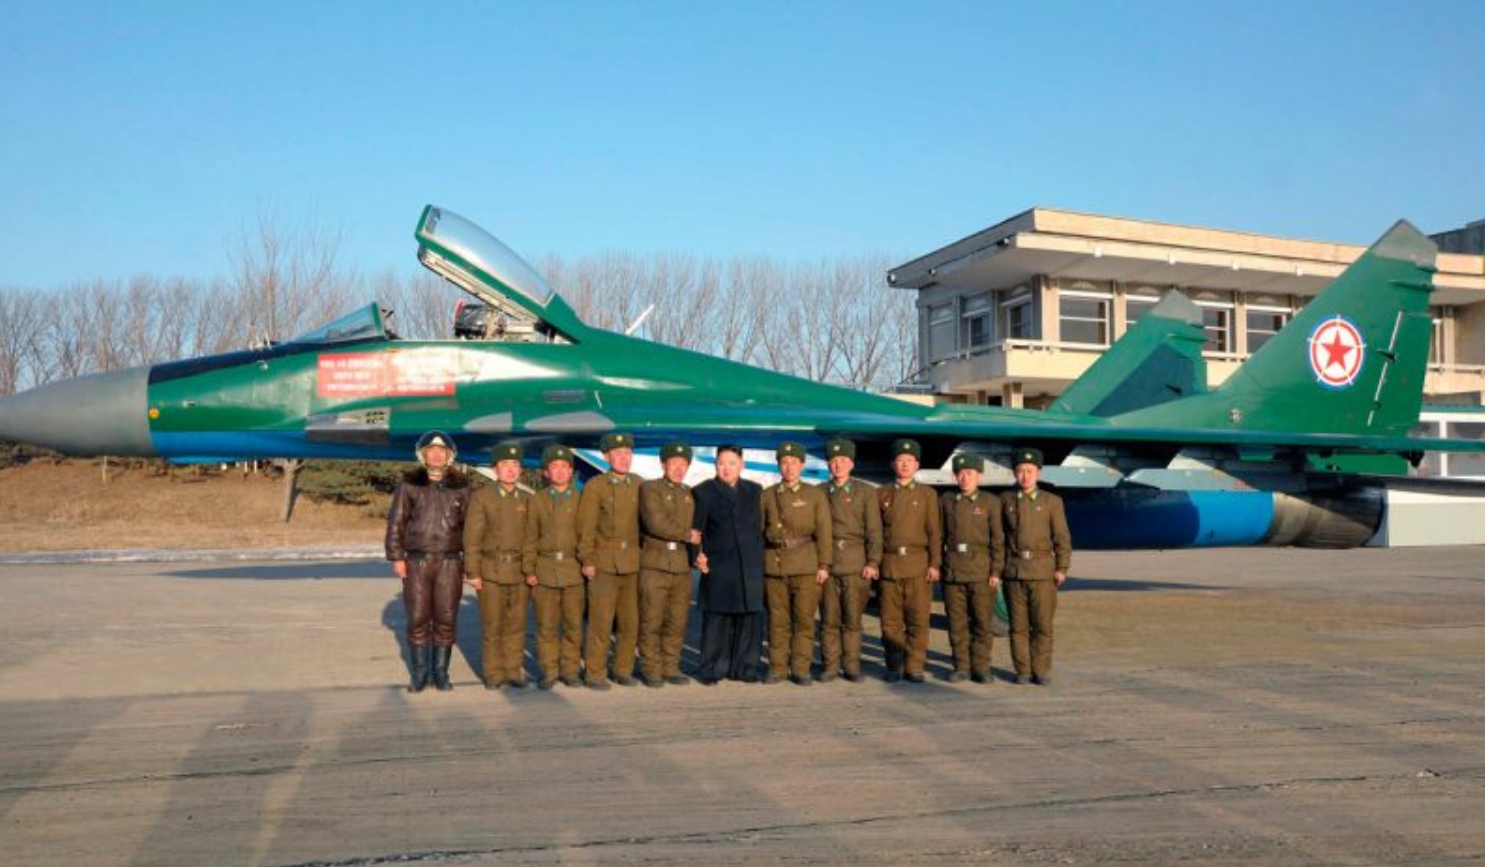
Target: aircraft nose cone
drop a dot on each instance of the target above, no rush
(102, 414)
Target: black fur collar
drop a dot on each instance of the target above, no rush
(452, 478)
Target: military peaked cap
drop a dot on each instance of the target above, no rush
(1029, 456)
(839, 448)
(969, 462)
(506, 452)
(790, 450)
(612, 441)
(675, 450)
(907, 447)
(556, 453)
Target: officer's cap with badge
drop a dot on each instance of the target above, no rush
(556, 453)
(675, 450)
(969, 462)
(789, 450)
(613, 441)
(506, 452)
(1029, 456)
(435, 438)
(907, 447)
(840, 448)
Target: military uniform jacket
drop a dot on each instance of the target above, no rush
(796, 530)
(730, 519)
(974, 536)
(549, 550)
(608, 524)
(855, 526)
(912, 537)
(1036, 536)
(665, 512)
(493, 531)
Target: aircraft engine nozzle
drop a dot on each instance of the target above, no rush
(102, 414)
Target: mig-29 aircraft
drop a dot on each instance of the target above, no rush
(1296, 448)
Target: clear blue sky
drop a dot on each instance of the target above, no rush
(145, 137)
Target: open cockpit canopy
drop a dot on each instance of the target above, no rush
(477, 262)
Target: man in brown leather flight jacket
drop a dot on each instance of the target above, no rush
(425, 542)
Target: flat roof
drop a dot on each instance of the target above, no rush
(1075, 245)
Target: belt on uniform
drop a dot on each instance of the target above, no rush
(614, 545)
(967, 547)
(904, 550)
(435, 555)
(792, 543)
(663, 545)
(854, 543)
(556, 555)
(1034, 555)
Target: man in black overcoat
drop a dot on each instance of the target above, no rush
(729, 518)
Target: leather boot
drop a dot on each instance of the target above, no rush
(420, 660)
(441, 656)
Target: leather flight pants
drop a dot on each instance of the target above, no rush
(431, 592)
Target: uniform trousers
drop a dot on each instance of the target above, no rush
(612, 599)
(731, 646)
(665, 604)
(792, 603)
(431, 592)
(842, 603)
(503, 624)
(969, 605)
(905, 607)
(559, 618)
(1031, 606)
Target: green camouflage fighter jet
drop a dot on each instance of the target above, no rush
(1296, 448)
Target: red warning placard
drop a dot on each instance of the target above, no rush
(386, 374)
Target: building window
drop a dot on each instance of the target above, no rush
(1138, 303)
(1467, 463)
(1083, 315)
(940, 331)
(1019, 322)
(1436, 343)
(1263, 324)
(1216, 321)
(977, 316)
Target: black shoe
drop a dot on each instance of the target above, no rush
(892, 676)
(852, 676)
(654, 682)
(571, 681)
(494, 684)
(800, 679)
(982, 677)
(519, 683)
(771, 678)
(441, 655)
(545, 683)
(1023, 679)
(957, 676)
(707, 681)
(827, 677)
(1042, 679)
(421, 664)
(913, 678)
(678, 680)
(600, 685)
(625, 680)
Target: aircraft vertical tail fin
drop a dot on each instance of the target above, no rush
(1157, 360)
(1352, 361)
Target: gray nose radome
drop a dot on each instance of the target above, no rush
(102, 414)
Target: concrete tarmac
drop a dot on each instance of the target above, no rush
(1237, 707)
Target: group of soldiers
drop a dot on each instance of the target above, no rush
(618, 556)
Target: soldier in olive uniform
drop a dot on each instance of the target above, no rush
(912, 544)
(549, 561)
(797, 557)
(856, 529)
(974, 545)
(493, 532)
(1038, 554)
(608, 548)
(666, 509)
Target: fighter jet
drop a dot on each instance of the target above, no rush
(1296, 448)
